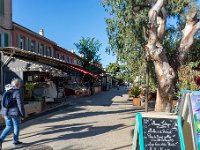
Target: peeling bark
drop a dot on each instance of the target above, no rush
(156, 53)
(191, 28)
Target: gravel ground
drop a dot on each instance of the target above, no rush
(100, 122)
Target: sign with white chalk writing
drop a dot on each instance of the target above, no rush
(161, 134)
(158, 132)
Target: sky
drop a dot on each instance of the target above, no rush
(65, 21)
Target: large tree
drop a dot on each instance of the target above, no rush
(138, 28)
(89, 48)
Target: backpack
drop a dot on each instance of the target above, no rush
(8, 100)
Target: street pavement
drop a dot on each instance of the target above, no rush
(100, 122)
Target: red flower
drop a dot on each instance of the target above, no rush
(197, 80)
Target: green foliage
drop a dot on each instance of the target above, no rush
(30, 86)
(112, 68)
(135, 91)
(127, 30)
(89, 48)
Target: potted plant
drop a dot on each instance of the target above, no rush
(28, 90)
(135, 92)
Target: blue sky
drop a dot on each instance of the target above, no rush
(65, 21)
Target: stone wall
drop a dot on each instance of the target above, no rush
(30, 109)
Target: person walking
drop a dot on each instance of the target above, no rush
(12, 109)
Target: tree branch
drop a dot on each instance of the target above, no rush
(191, 28)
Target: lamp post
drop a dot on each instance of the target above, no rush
(147, 87)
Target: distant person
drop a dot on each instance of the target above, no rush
(91, 87)
(118, 86)
(12, 109)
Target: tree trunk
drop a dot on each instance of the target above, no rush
(161, 103)
(155, 52)
(165, 76)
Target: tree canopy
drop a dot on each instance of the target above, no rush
(128, 25)
(89, 48)
(160, 31)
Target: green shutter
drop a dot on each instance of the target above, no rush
(6, 40)
(45, 50)
(50, 52)
(18, 40)
(27, 43)
(1, 7)
(39, 48)
(36, 46)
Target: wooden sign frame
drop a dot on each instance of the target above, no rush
(186, 112)
(138, 129)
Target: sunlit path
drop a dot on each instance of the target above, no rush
(103, 121)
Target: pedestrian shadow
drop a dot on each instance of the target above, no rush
(96, 100)
(78, 130)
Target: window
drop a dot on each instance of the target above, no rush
(49, 51)
(45, 50)
(72, 60)
(1, 7)
(32, 46)
(58, 56)
(67, 58)
(6, 40)
(21, 42)
(63, 57)
(41, 49)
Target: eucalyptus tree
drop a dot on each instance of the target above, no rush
(137, 29)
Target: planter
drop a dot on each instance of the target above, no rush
(136, 101)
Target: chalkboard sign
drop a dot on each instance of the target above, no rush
(161, 134)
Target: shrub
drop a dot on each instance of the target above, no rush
(135, 91)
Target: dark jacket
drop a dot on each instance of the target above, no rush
(18, 107)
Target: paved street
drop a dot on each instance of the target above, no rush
(100, 122)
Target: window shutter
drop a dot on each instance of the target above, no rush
(1, 7)
(18, 40)
(6, 40)
(36, 46)
(29, 44)
(50, 52)
(45, 50)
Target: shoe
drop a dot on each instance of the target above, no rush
(17, 143)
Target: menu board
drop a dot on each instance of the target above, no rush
(195, 99)
(161, 134)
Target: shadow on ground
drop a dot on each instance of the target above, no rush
(79, 130)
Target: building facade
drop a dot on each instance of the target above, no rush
(16, 35)
(5, 23)
(26, 39)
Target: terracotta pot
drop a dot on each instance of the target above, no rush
(136, 101)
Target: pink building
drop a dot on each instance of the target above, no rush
(26, 39)
(5, 22)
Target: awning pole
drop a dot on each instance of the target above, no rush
(3, 65)
(82, 78)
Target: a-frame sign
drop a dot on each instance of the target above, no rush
(156, 131)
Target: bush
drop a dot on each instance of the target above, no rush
(135, 91)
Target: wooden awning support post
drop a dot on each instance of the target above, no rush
(3, 64)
